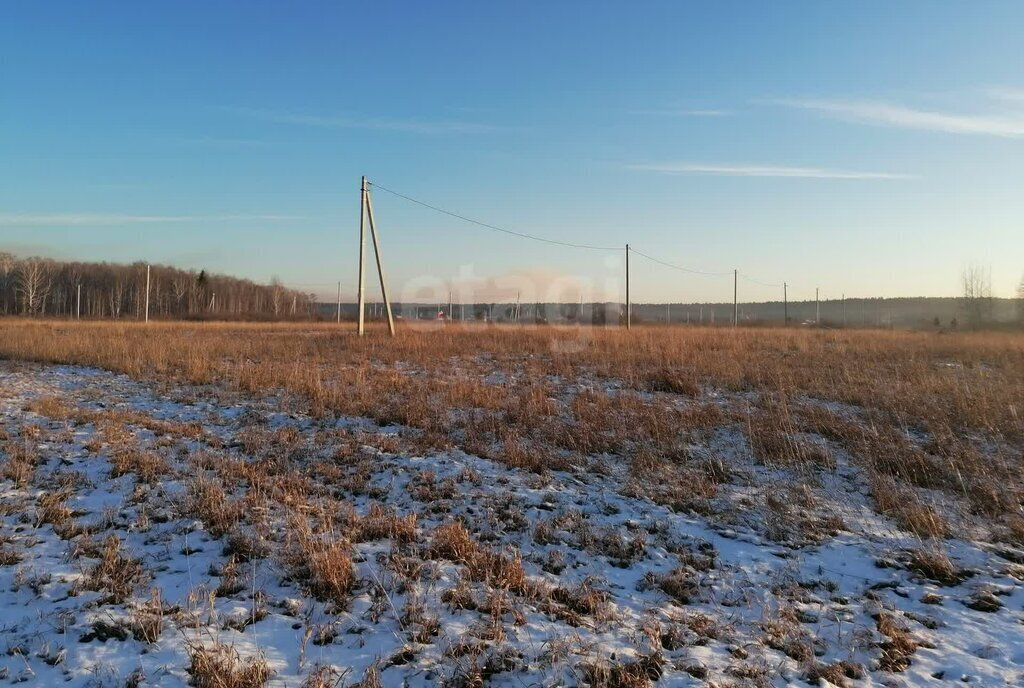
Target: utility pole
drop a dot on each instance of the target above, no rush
(817, 308)
(844, 310)
(380, 264)
(735, 299)
(451, 313)
(785, 304)
(339, 302)
(668, 313)
(360, 328)
(78, 303)
(147, 292)
(629, 314)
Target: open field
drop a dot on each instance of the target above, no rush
(239, 505)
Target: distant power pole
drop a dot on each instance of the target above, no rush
(451, 312)
(78, 303)
(735, 299)
(785, 304)
(817, 308)
(668, 313)
(844, 310)
(147, 292)
(629, 314)
(339, 301)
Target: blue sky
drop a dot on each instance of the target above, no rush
(869, 148)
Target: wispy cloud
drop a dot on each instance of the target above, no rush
(888, 114)
(108, 219)
(412, 126)
(685, 112)
(724, 170)
(1007, 94)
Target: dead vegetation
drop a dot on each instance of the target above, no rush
(217, 665)
(800, 406)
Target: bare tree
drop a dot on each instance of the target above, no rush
(33, 285)
(7, 273)
(977, 295)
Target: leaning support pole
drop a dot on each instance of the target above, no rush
(380, 263)
(360, 327)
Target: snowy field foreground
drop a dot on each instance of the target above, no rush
(158, 535)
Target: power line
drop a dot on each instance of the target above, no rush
(763, 284)
(679, 267)
(493, 227)
(569, 244)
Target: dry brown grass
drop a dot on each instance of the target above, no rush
(928, 408)
(115, 574)
(217, 665)
(453, 542)
(321, 560)
(903, 505)
(897, 646)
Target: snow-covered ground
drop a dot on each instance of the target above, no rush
(775, 587)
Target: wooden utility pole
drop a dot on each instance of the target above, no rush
(339, 302)
(78, 303)
(668, 313)
(380, 265)
(735, 298)
(147, 292)
(629, 305)
(844, 310)
(785, 304)
(817, 308)
(451, 312)
(362, 253)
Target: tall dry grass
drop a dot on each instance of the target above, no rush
(940, 411)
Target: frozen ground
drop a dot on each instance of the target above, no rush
(204, 492)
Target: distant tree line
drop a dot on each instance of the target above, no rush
(43, 287)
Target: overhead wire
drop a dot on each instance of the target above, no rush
(756, 281)
(568, 244)
(678, 267)
(494, 227)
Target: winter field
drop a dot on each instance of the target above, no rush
(233, 506)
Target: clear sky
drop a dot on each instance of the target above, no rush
(868, 148)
